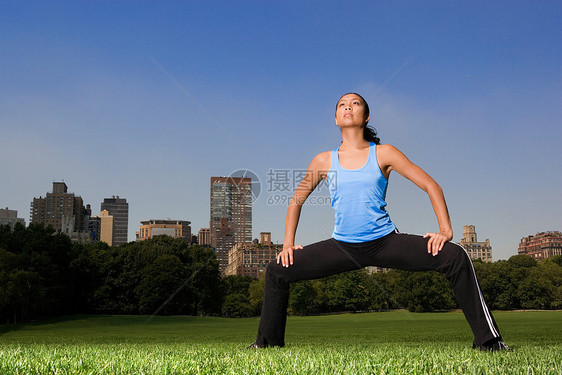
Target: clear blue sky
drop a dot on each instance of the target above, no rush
(148, 100)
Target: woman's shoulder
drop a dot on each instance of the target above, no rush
(387, 153)
(386, 150)
(322, 161)
(386, 147)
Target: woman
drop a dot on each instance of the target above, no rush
(357, 173)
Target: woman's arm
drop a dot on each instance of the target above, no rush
(391, 159)
(315, 173)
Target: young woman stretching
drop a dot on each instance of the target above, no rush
(357, 173)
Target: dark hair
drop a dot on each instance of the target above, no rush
(369, 134)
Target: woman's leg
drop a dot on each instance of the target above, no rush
(409, 252)
(314, 261)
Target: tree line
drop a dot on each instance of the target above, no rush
(42, 274)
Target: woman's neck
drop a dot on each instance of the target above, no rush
(352, 138)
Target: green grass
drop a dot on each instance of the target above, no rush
(390, 343)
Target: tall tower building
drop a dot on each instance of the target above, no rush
(231, 215)
(107, 228)
(119, 209)
(94, 226)
(475, 249)
(64, 211)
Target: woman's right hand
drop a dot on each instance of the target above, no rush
(286, 256)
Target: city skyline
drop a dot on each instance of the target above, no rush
(148, 101)
(144, 222)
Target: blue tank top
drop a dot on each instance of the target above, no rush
(358, 197)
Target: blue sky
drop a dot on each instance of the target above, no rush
(148, 100)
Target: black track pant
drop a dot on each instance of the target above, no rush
(396, 250)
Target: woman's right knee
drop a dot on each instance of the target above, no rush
(275, 274)
(273, 269)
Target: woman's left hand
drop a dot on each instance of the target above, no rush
(437, 241)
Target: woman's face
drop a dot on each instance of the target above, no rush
(350, 111)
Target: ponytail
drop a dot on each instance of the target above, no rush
(370, 135)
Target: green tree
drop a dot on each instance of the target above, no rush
(236, 291)
(21, 290)
(39, 282)
(381, 292)
(556, 259)
(204, 276)
(236, 284)
(237, 305)
(322, 294)
(519, 269)
(301, 298)
(349, 291)
(424, 291)
(5, 235)
(557, 300)
(534, 293)
(160, 289)
(497, 284)
(123, 268)
(256, 294)
(548, 275)
(522, 261)
(85, 275)
(119, 279)
(8, 264)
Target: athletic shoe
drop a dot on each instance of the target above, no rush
(255, 345)
(495, 346)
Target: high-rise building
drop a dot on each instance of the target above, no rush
(107, 228)
(231, 215)
(475, 249)
(94, 227)
(64, 211)
(10, 217)
(542, 245)
(119, 209)
(204, 236)
(172, 228)
(251, 258)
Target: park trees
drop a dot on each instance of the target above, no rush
(237, 296)
(43, 274)
(34, 273)
(423, 291)
(161, 287)
(256, 293)
(509, 284)
(542, 286)
(163, 271)
(302, 298)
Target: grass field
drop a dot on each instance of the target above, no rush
(376, 343)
